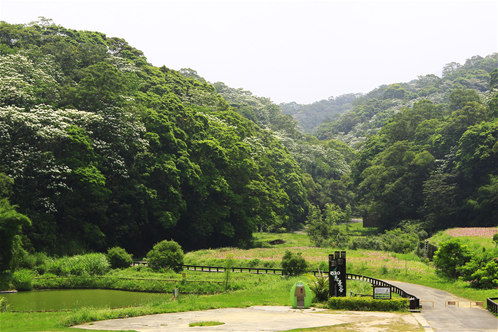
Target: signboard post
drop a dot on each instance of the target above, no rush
(337, 274)
(381, 293)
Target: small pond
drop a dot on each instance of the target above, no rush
(78, 298)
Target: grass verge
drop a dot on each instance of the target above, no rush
(206, 323)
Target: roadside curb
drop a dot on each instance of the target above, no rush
(421, 320)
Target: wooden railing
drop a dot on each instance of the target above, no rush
(134, 279)
(493, 305)
(256, 270)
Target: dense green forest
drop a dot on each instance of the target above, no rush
(99, 148)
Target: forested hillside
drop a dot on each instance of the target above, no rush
(371, 111)
(434, 164)
(325, 164)
(99, 149)
(313, 115)
(428, 149)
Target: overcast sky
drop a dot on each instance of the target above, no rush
(301, 51)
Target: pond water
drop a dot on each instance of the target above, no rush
(78, 298)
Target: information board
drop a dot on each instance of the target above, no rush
(381, 293)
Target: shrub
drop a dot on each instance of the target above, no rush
(4, 305)
(254, 262)
(322, 230)
(450, 256)
(293, 264)
(23, 280)
(367, 304)
(166, 254)
(269, 264)
(366, 242)
(319, 285)
(119, 258)
(487, 276)
(399, 240)
(89, 264)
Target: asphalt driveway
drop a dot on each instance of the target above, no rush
(446, 317)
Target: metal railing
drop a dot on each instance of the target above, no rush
(377, 282)
(493, 305)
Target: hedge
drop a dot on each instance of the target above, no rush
(367, 304)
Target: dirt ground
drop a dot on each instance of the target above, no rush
(266, 318)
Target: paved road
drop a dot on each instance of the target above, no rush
(449, 318)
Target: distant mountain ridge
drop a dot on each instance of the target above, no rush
(352, 117)
(312, 115)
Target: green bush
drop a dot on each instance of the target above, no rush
(23, 280)
(319, 285)
(450, 256)
(367, 304)
(366, 242)
(323, 230)
(254, 262)
(119, 258)
(4, 305)
(89, 264)
(293, 264)
(166, 254)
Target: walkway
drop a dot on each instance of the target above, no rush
(449, 318)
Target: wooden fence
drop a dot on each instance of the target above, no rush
(120, 278)
(256, 270)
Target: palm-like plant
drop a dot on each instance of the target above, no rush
(319, 285)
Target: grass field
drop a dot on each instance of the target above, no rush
(474, 237)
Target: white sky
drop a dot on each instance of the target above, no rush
(301, 51)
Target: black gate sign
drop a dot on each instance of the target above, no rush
(337, 274)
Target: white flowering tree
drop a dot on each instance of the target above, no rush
(25, 83)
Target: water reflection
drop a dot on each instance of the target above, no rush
(78, 298)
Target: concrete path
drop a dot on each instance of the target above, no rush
(260, 318)
(444, 317)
